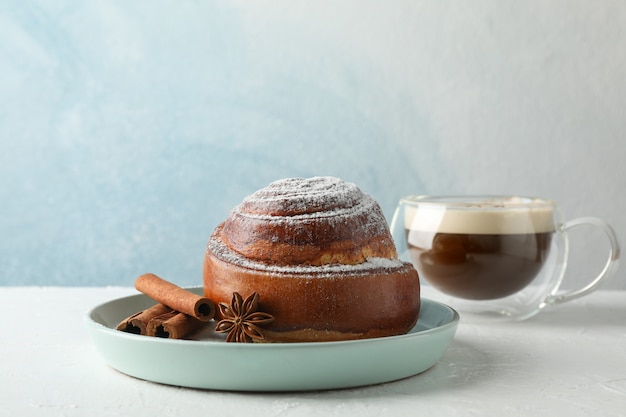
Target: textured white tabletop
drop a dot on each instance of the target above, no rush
(568, 361)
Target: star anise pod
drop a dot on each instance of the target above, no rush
(241, 320)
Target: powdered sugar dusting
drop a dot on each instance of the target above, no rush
(294, 200)
(221, 251)
(299, 196)
(307, 213)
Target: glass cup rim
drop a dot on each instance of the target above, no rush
(478, 201)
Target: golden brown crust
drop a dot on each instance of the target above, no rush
(319, 254)
(314, 222)
(322, 305)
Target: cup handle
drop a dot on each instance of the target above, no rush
(609, 267)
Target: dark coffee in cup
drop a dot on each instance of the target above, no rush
(479, 255)
(479, 266)
(493, 256)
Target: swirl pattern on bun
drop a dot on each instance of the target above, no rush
(319, 253)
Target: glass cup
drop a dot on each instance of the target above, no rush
(493, 256)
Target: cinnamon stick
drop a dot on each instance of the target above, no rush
(176, 298)
(173, 325)
(138, 322)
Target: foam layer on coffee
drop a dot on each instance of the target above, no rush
(483, 219)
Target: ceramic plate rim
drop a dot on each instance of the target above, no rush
(102, 327)
(417, 351)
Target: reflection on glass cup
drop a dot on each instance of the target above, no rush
(493, 255)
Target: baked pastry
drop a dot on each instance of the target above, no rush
(319, 254)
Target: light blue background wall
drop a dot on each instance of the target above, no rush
(129, 129)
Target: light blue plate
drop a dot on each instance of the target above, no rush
(211, 363)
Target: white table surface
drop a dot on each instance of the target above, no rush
(568, 361)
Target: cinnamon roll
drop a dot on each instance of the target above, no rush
(319, 254)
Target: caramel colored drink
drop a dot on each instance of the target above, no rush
(479, 254)
(479, 266)
(498, 256)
